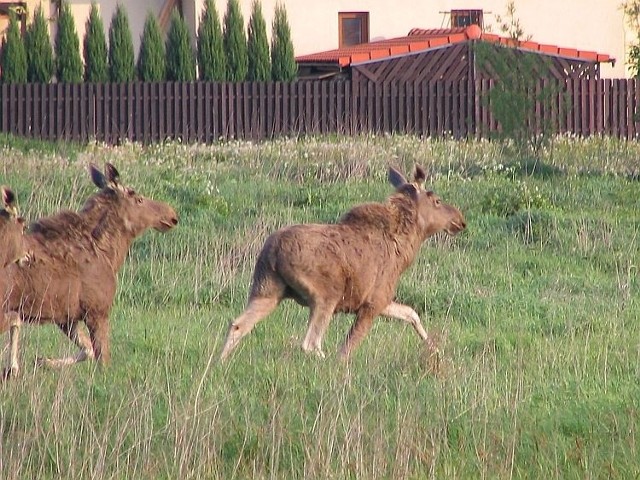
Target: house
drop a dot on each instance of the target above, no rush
(444, 54)
(587, 25)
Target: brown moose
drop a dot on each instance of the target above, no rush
(352, 266)
(11, 247)
(74, 258)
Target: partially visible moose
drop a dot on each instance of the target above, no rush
(73, 260)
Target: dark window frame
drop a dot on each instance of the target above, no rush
(363, 17)
(464, 18)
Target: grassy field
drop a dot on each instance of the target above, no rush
(536, 307)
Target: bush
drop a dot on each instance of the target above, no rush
(211, 59)
(95, 48)
(39, 51)
(235, 43)
(151, 59)
(121, 56)
(67, 48)
(283, 62)
(259, 65)
(14, 55)
(181, 64)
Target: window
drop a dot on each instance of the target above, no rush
(353, 28)
(464, 18)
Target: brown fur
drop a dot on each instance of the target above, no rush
(352, 266)
(11, 247)
(74, 259)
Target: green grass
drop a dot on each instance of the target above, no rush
(536, 307)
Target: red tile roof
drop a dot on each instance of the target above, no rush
(419, 39)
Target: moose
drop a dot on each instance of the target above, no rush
(352, 266)
(73, 262)
(12, 250)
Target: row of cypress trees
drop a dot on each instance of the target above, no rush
(223, 53)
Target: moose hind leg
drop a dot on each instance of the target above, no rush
(256, 310)
(409, 315)
(14, 322)
(78, 337)
(319, 319)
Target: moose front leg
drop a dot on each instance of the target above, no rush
(359, 329)
(79, 338)
(409, 315)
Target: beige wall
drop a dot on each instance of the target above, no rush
(583, 24)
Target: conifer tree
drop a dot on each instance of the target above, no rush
(39, 51)
(67, 48)
(121, 56)
(151, 59)
(181, 63)
(283, 62)
(14, 55)
(259, 63)
(211, 59)
(235, 43)
(95, 48)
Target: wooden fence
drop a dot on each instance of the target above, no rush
(206, 112)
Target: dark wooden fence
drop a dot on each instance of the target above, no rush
(206, 112)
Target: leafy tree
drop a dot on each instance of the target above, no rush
(259, 63)
(631, 10)
(181, 63)
(121, 56)
(211, 59)
(517, 74)
(14, 55)
(67, 48)
(95, 48)
(39, 51)
(283, 62)
(235, 43)
(151, 59)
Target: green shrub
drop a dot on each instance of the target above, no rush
(39, 51)
(235, 43)
(259, 63)
(121, 56)
(67, 48)
(14, 55)
(181, 64)
(151, 59)
(211, 59)
(283, 62)
(95, 48)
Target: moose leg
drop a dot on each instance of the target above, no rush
(359, 329)
(14, 322)
(99, 334)
(319, 319)
(256, 310)
(409, 315)
(80, 339)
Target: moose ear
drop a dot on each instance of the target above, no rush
(411, 191)
(97, 177)
(396, 178)
(8, 197)
(113, 177)
(419, 175)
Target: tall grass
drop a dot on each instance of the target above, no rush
(535, 306)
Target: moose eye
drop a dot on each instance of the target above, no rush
(139, 200)
(438, 202)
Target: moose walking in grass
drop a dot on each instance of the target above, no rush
(352, 266)
(73, 261)
(11, 250)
